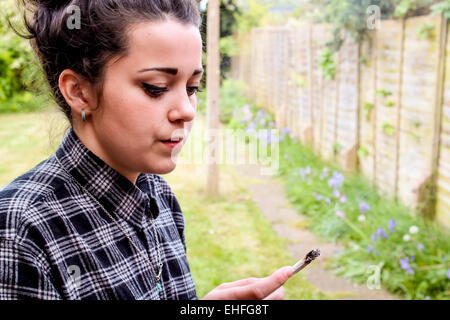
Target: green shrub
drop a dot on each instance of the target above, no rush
(19, 69)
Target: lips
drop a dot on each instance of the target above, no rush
(173, 139)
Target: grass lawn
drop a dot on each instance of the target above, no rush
(227, 237)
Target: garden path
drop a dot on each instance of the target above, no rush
(267, 193)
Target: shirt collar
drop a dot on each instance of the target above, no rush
(118, 195)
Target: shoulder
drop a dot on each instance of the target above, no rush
(22, 201)
(161, 184)
(163, 189)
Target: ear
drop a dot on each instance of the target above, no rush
(78, 92)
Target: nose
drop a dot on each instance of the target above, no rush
(183, 108)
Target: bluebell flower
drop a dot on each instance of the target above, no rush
(336, 193)
(369, 248)
(413, 257)
(336, 180)
(391, 225)
(448, 273)
(404, 264)
(285, 130)
(318, 196)
(420, 246)
(374, 237)
(303, 173)
(382, 233)
(260, 113)
(363, 207)
(328, 200)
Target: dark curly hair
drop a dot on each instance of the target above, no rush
(100, 35)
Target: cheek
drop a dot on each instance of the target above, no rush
(131, 116)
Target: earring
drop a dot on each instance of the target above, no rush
(83, 115)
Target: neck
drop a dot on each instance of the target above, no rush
(88, 138)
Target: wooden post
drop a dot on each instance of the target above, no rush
(212, 98)
(399, 111)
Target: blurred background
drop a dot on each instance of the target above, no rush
(360, 93)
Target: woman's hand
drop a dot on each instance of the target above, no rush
(269, 288)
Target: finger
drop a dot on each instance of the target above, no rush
(237, 283)
(261, 288)
(276, 295)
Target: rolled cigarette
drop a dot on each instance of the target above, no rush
(310, 256)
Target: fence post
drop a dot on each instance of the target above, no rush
(212, 83)
(398, 111)
(438, 114)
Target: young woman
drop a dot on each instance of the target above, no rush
(95, 220)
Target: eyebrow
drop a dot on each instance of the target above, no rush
(172, 71)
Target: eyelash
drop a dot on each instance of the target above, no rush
(156, 92)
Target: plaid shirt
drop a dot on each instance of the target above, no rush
(57, 243)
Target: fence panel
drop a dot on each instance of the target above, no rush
(384, 101)
(421, 57)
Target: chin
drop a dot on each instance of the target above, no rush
(164, 167)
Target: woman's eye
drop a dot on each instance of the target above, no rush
(192, 90)
(153, 91)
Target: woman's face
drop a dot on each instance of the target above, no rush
(149, 96)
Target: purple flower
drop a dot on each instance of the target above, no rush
(404, 264)
(448, 273)
(382, 233)
(252, 125)
(343, 199)
(336, 193)
(271, 123)
(392, 225)
(340, 214)
(262, 121)
(336, 180)
(363, 207)
(303, 172)
(413, 257)
(285, 130)
(374, 237)
(420, 246)
(328, 200)
(369, 248)
(317, 196)
(260, 113)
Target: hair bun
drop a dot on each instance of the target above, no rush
(53, 4)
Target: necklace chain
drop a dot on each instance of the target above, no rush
(160, 264)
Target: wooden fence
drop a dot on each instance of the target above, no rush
(386, 111)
